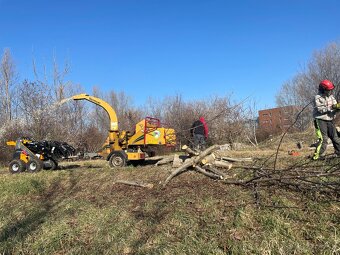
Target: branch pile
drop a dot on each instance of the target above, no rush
(307, 177)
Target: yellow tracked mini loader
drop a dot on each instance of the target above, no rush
(33, 155)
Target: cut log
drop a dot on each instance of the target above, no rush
(155, 158)
(165, 160)
(133, 183)
(177, 162)
(188, 150)
(187, 160)
(222, 164)
(209, 159)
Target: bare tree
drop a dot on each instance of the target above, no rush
(67, 118)
(226, 122)
(127, 114)
(153, 107)
(8, 78)
(178, 116)
(125, 110)
(301, 89)
(33, 102)
(251, 123)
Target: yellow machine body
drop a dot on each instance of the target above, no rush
(11, 143)
(24, 157)
(136, 155)
(25, 153)
(148, 132)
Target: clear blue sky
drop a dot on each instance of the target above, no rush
(162, 47)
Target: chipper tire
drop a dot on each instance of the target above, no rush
(34, 165)
(16, 166)
(117, 159)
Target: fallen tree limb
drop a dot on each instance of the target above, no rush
(206, 152)
(165, 160)
(134, 183)
(294, 177)
(237, 159)
(188, 150)
(217, 172)
(190, 162)
(209, 174)
(155, 158)
(222, 164)
(260, 168)
(177, 162)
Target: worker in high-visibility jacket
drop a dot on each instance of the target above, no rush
(325, 107)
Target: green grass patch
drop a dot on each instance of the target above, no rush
(79, 210)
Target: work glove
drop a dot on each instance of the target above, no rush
(336, 106)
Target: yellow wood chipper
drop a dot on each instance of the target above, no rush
(123, 146)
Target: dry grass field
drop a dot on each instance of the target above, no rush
(79, 209)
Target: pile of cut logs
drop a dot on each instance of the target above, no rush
(206, 162)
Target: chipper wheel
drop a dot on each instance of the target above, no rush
(117, 159)
(34, 165)
(16, 166)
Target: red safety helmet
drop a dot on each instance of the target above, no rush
(326, 85)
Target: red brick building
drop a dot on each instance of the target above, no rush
(277, 119)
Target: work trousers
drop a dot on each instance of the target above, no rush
(325, 129)
(199, 142)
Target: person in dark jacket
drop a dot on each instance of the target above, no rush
(199, 132)
(325, 107)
